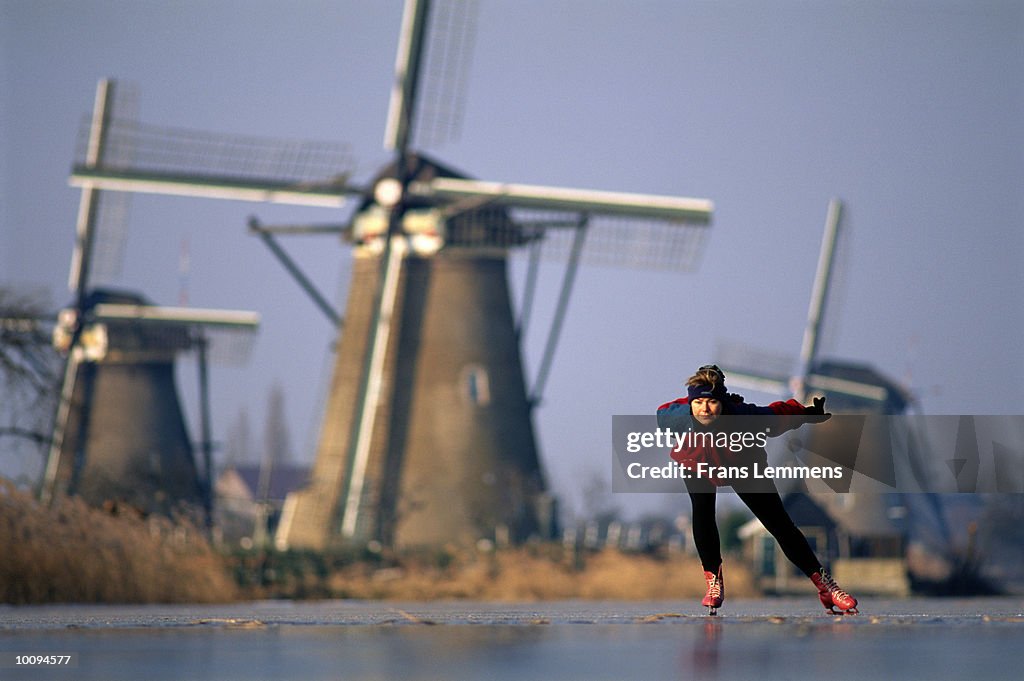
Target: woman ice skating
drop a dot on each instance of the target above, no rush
(711, 458)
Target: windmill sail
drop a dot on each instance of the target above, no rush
(66, 421)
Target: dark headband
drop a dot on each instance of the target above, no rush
(703, 390)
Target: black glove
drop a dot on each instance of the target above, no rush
(816, 411)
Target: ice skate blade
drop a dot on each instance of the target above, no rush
(833, 611)
(712, 611)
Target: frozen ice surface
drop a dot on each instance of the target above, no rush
(765, 638)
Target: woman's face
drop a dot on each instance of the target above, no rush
(705, 410)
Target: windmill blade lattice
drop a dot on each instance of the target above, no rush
(228, 334)
(112, 210)
(165, 160)
(451, 35)
(612, 240)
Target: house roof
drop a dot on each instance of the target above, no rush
(861, 515)
(284, 478)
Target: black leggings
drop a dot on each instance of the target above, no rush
(766, 505)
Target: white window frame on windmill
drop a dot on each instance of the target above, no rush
(423, 227)
(476, 385)
(93, 342)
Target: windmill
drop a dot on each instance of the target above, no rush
(427, 435)
(119, 432)
(861, 439)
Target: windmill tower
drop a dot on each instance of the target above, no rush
(427, 437)
(119, 432)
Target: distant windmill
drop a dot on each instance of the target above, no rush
(119, 434)
(849, 386)
(427, 437)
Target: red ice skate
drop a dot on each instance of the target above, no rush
(832, 596)
(716, 591)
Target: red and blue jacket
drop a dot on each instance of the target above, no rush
(675, 415)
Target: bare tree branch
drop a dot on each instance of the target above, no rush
(29, 367)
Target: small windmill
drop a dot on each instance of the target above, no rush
(427, 436)
(119, 433)
(855, 390)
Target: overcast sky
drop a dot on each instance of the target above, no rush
(911, 112)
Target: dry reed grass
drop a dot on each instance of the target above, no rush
(70, 552)
(523, 574)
